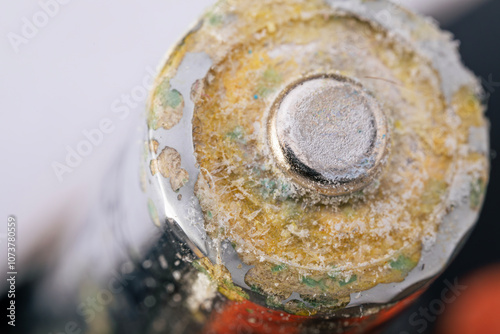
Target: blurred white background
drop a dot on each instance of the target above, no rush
(65, 67)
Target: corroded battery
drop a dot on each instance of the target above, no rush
(323, 160)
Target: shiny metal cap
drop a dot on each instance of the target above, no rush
(328, 134)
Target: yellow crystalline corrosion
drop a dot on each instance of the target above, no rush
(322, 250)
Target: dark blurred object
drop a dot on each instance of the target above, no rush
(479, 33)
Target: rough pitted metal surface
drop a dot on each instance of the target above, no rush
(330, 132)
(331, 129)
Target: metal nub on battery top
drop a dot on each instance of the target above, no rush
(328, 135)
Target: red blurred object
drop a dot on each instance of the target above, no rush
(249, 318)
(477, 309)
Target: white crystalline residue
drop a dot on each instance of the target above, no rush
(256, 129)
(202, 291)
(450, 143)
(284, 49)
(292, 228)
(428, 241)
(252, 216)
(478, 139)
(460, 189)
(397, 178)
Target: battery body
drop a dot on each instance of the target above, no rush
(308, 167)
(323, 160)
